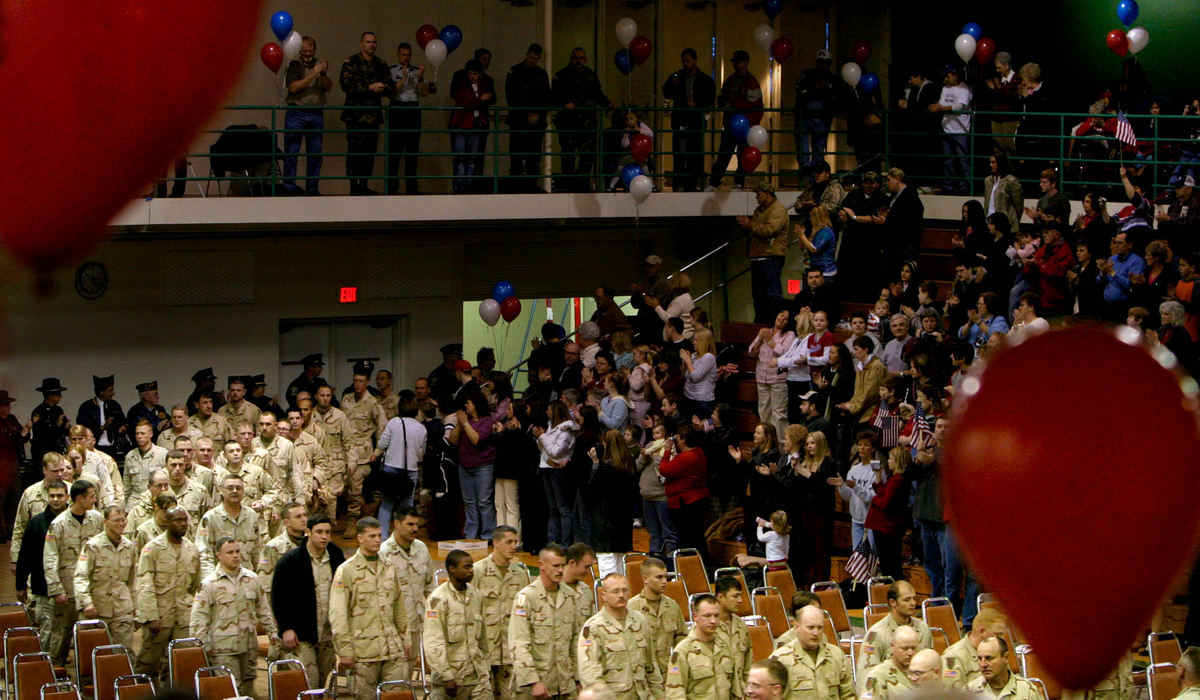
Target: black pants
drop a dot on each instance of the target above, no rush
(888, 548)
(688, 151)
(525, 156)
(403, 141)
(689, 526)
(362, 141)
(727, 149)
(576, 173)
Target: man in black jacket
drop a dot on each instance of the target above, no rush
(577, 89)
(103, 415)
(691, 90)
(300, 599)
(903, 224)
(527, 85)
(31, 572)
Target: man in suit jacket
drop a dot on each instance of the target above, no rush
(918, 95)
(103, 415)
(903, 223)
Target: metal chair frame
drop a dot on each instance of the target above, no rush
(274, 666)
(108, 650)
(215, 672)
(141, 677)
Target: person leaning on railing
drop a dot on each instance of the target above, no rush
(307, 81)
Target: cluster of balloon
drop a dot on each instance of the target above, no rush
(971, 43)
(1043, 466)
(1130, 40)
(45, 227)
(503, 304)
(273, 55)
(637, 48)
(852, 71)
(438, 45)
(778, 48)
(754, 138)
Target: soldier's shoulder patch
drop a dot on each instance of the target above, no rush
(586, 632)
(338, 583)
(950, 661)
(949, 673)
(870, 637)
(520, 612)
(673, 669)
(431, 614)
(49, 536)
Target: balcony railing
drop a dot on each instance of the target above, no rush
(250, 158)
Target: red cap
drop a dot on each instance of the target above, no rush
(462, 366)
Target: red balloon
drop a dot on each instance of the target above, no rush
(782, 49)
(640, 48)
(425, 34)
(510, 308)
(133, 126)
(985, 50)
(640, 146)
(860, 50)
(271, 54)
(1118, 43)
(1038, 456)
(749, 158)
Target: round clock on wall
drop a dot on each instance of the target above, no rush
(91, 280)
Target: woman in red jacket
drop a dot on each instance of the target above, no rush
(685, 471)
(469, 126)
(887, 520)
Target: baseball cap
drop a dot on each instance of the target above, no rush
(951, 68)
(808, 397)
(653, 260)
(1188, 181)
(823, 55)
(739, 56)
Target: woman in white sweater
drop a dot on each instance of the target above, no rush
(555, 446)
(679, 304)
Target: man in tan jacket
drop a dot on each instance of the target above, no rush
(767, 231)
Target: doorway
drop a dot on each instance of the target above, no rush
(342, 342)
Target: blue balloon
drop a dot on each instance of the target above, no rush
(973, 29)
(868, 83)
(281, 24)
(1127, 12)
(629, 172)
(739, 127)
(451, 36)
(503, 290)
(624, 61)
(772, 8)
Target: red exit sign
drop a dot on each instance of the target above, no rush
(348, 295)
(793, 286)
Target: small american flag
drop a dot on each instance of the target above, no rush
(922, 435)
(1125, 130)
(862, 564)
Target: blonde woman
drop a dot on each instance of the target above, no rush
(822, 246)
(640, 391)
(809, 502)
(700, 375)
(679, 304)
(888, 517)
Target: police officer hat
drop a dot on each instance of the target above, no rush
(256, 380)
(51, 385)
(364, 367)
(204, 375)
(313, 360)
(147, 386)
(452, 349)
(102, 383)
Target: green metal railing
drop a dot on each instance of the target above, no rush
(1084, 163)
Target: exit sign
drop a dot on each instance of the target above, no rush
(793, 287)
(348, 295)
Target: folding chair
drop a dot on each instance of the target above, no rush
(315, 694)
(767, 603)
(13, 615)
(423, 676)
(17, 640)
(30, 673)
(286, 679)
(830, 595)
(185, 656)
(136, 686)
(440, 576)
(690, 567)
(1037, 683)
(394, 690)
(877, 589)
(109, 662)
(88, 634)
(675, 590)
(1163, 680)
(856, 643)
(59, 690)
(941, 640)
(874, 613)
(1164, 648)
(777, 574)
(1031, 667)
(215, 683)
(939, 612)
(744, 608)
(633, 570)
(988, 600)
(762, 641)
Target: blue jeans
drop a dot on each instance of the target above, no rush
(658, 522)
(765, 288)
(388, 505)
(303, 125)
(954, 147)
(857, 530)
(467, 144)
(818, 137)
(560, 499)
(479, 500)
(942, 562)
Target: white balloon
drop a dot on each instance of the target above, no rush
(641, 187)
(763, 36)
(965, 46)
(1138, 38)
(435, 51)
(489, 309)
(758, 136)
(291, 46)
(851, 73)
(626, 30)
